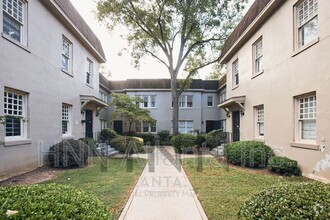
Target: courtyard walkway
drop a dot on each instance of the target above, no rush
(163, 191)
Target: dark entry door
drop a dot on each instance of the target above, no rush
(236, 126)
(212, 125)
(89, 123)
(118, 127)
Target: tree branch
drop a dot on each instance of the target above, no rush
(156, 57)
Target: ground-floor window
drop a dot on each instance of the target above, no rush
(145, 127)
(259, 121)
(306, 127)
(223, 125)
(104, 124)
(185, 126)
(66, 119)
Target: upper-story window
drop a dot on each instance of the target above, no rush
(66, 54)
(103, 97)
(222, 97)
(306, 128)
(235, 73)
(14, 20)
(258, 57)
(89, 73)
(307, 13)
(145, 127)
(186, 101)
(149, 101)
(210, 101)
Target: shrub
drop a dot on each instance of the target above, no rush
(147, 138)
(164, 135)
(122, 143)
(216, 138)
(68, 153)
(248, 153)
(200, 140)
(90, 142)
(284, 165)
(182, 142)
(107, 135)
(49, 202)
(289, 201)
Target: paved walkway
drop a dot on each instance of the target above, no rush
(163, 191)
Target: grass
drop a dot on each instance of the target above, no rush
(221, 191)
(112, 187)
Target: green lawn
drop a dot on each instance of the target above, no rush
(113, 187)
(221, 191)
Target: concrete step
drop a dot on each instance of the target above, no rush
(106, 150)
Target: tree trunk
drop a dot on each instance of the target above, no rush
(175, 111)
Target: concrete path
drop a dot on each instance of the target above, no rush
(163, 191)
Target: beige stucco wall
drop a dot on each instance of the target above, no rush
(37, 71)
(286, 74)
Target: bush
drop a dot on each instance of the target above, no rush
(290, 201)
(123, 142)
(147, 138)
(90, 142)
(50, 202)
(200, 140)
(107, 135)
(284, 165)
(182, 142)
(164, 135)
(216, 137)
(68, 153)
(248, 153)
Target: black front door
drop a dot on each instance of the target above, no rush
(236, 126)
(89, 123)
(118, 127)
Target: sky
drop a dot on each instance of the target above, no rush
(113, 44)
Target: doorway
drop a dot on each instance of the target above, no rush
(236, 126)
(89, 123)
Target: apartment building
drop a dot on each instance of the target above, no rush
(197, 106)
(277, 81)
(49, 85)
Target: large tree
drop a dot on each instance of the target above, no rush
(183, 35)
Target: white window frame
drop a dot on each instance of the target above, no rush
(20, 19)
(67, 56)
(305, 113)
(23, 114)
(259, 121)
(258, 57)
(183, 101)
(103, 96)
(223, 125)
(89, 72)
(139, 127)
(235, 73)
(303, 18)
(223, 96)
(207, 101)
(67, 118)
(186, 128)
(103, 124)
(148, 100)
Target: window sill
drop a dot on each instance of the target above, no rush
(5, 36)
(210, 106)
(305, 47)
(66, 72)
(67, 137)
(90, 86)
(235, 87)
(259, 138)
(257, 74)
(309, 146)
(11, 143)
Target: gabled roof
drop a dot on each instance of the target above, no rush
(79, 23)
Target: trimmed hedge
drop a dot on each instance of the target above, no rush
(107, 135)
(200, 140)
(289, 201)
(122, 143)
(215, 138)
(164, 135)
(182, 142)
(147, 138)
(68, 153)
(49, 202)
(248, 154)
(284, 166)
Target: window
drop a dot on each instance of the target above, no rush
(223, 125)
(235, 73)
(307, 13)
(66, 54)
(260, 127)
(15, 106)
(89, 73)
(66, 118)
(149, 101)
(145, 127)
(210, 101)
(14, 20)
(307, 117)
(104, 124)
(258, 57)
(186, 101)
(223, 97)
(103, 97)
(185, 126)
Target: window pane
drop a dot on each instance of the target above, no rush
(65, 63)
(261, 128)
(13, 127)
(152, 101)
(145, 127)
(308, 129)
(309, 31)
(189, 101)
(11, 27)
(209, 101)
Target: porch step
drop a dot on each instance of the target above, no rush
(106, 150)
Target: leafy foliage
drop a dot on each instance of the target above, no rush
(289, 201)
(49, 202)
(285, 166)
(164, 135)
(68, 153)
(182, 142)
(90, 142)
(248, 153)
(216, 138)
(107, 135)
(124, 143)
(147, 138)
(127, 107)
(200, 140)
